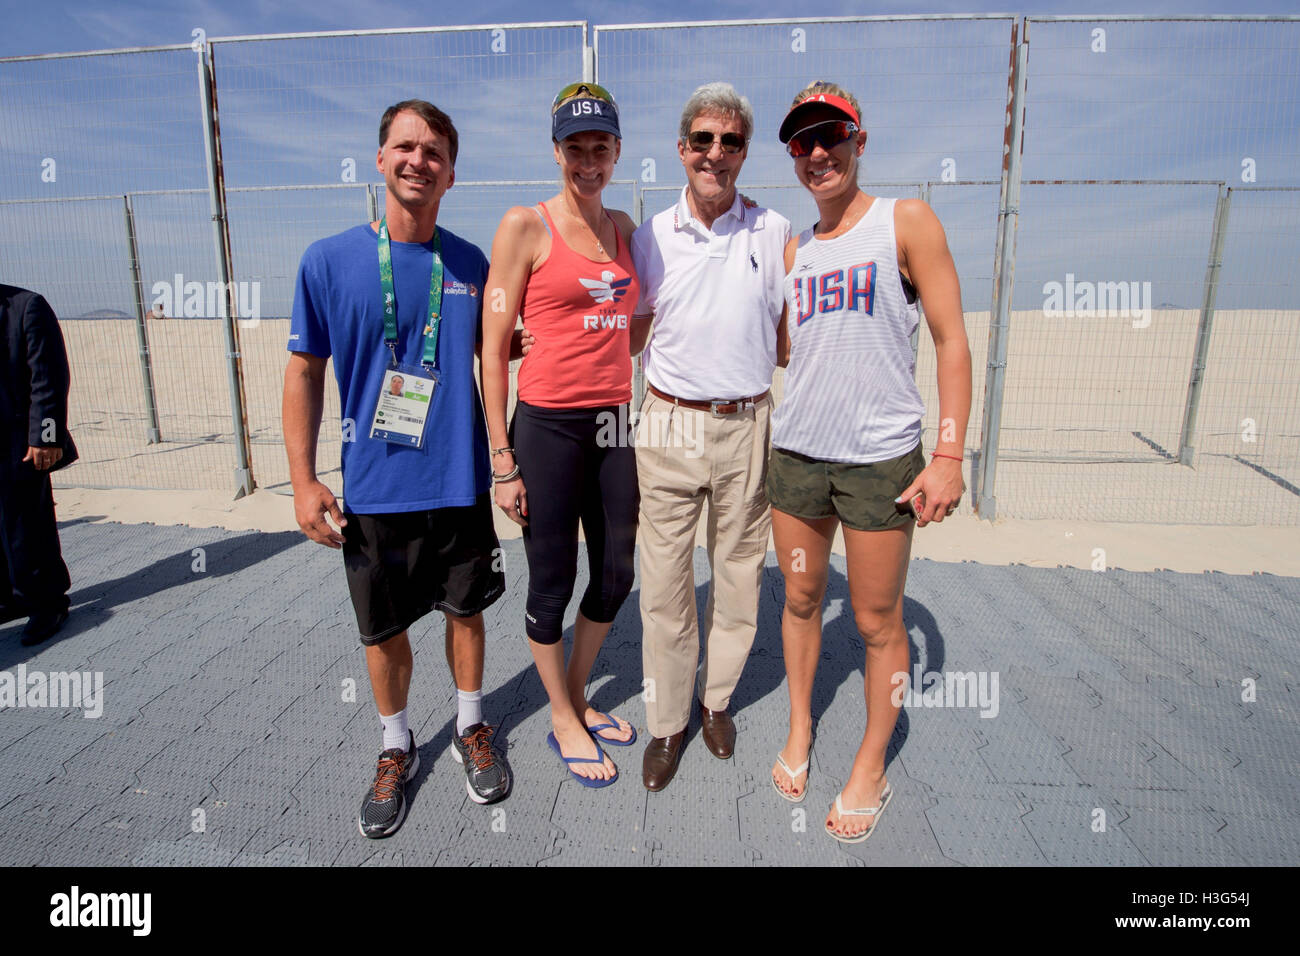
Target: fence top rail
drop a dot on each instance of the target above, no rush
(68, 56)
(457, 28)
(1122, 182)
(290, 188)
(774, 21)
(496, 183)
(387, 31)
(678, 24)
(996, 182)
(1172, 18)
(116, 197)
(917, 182)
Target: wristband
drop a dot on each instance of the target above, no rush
(939, 454)
(513, 473)
(502, 451)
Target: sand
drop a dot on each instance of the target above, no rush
(1088, 456)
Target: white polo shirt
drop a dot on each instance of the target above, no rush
(716, 295)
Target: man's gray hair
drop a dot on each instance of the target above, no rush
(718, 98)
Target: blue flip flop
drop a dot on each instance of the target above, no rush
(612, 725)
(585, 781)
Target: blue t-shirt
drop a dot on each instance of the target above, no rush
(337, 312)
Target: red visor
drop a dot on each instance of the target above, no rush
(791, 124)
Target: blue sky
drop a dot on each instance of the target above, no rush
(63, 26)
(1170, 101)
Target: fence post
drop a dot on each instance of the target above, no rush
(638, 371)
(141, 328)
(1186, 451)
(221, 245)
(588, 57)
(924, 190)
(1004, 272)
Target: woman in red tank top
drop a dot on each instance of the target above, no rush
(565, 266)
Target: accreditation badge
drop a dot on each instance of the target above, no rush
(402, 411)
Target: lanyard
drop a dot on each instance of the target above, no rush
(390, 300)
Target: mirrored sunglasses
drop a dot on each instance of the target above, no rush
(587, 90)
(829, 134)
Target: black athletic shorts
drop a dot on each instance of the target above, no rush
(402, 566)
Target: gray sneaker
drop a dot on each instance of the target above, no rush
(486, 777)
(384, 808)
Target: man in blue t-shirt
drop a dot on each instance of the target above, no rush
(416, 523)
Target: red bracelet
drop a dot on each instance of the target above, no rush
(939, 454)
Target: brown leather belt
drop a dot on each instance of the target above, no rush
(716, 407)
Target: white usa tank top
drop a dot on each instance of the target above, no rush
(850, 392)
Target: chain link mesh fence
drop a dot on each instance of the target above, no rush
(1152, 342)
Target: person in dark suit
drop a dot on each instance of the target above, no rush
(34, 441)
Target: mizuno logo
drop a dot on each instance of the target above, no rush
(606, 288)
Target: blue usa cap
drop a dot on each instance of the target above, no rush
(584, 113)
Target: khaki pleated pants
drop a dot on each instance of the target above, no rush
(685, 458)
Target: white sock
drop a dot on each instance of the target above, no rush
(469, 709)
(396, 734)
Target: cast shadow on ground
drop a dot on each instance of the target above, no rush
(93, 604)
(617, 672)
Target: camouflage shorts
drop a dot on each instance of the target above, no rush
(861, 496)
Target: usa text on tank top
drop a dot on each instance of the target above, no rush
(850, 394)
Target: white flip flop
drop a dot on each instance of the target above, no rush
(874, 812)
(802, 768)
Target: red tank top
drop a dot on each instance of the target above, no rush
(578, 310)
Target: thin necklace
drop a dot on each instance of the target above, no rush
(593, 232)
(847, 221)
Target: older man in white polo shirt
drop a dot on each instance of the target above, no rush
(711, 270)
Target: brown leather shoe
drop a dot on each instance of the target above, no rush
(719, 732)
(662, 755)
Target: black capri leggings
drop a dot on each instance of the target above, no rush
(576, 464)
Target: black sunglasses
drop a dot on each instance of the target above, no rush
(701, 141)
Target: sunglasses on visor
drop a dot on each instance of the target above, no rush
(701, 141)
(589, 90)
(829, 134)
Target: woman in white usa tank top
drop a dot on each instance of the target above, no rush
(846, 436)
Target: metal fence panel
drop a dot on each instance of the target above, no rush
(933, 97)
(301, 111)
(108, 125)
(931, 89)
(1161, 152)
(1133, 126)
(1248, 441)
